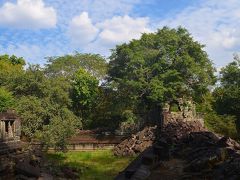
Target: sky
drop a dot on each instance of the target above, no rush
(35, 29)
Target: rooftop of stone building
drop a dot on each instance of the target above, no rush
(8, 115)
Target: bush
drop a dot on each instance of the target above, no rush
(222, 124)
(130, 123)
(32, 113)
(61, 127)
(6, 99)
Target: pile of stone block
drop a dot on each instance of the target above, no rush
(202, 154)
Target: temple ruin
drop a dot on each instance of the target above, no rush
(10, 127)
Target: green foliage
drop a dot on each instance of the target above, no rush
(67, 65)
(230, 75)
(33, 114)
(159, 67)
(174, 108)
(6, 99)
(41, 100)
(163, 65)
(206, 105)
(222, 124)
(30, 83)
(129, 116)
(85, 92)
(62, 126)
(64, 95)
(59, 91)
(227, 96)
(85, 88)
(9, 72)
(107, 111)
(14, 60)
(129, 123)
(221, 108)
(227, 100)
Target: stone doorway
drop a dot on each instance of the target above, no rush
(9, 126)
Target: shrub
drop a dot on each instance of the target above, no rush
(222, 124)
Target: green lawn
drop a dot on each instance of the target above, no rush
(94, 165)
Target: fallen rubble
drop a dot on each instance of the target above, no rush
(199, 154)
(172, 132)
(136, 143)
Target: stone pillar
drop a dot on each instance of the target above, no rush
(1, 129)
(165, 113)
(13, 129)
(17, 128)
(10, 132)
(4, 130)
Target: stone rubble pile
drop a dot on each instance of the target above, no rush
(172, 132)
(137, 143)
(22, 164)
(209, 156)
(202, 154)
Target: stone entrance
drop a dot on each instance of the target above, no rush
(9, 126)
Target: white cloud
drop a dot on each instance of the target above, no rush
(103, 36)
(214, 23)
(98, 10)
(105, 9)
(27, 14)
(122, 29)
(81, 29)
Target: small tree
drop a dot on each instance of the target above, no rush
(61, 127)
(85, 92)
(6, 99)
(32, 113)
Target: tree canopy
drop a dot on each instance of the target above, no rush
(86, 91)
(161, 67)
(227, 95)
(67, 65)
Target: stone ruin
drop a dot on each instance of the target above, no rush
(181, 149)
(186, 110)
(18, 160)
(170, 121)
(10, 126)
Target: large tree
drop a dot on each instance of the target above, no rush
(159, 67)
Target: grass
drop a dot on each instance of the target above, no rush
(91, 165)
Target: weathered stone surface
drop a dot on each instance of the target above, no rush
(27, 169)
(203, 154)
(137, 143)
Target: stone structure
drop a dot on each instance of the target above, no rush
(10, 127)
(186, 107)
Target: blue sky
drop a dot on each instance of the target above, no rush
(35, 29)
